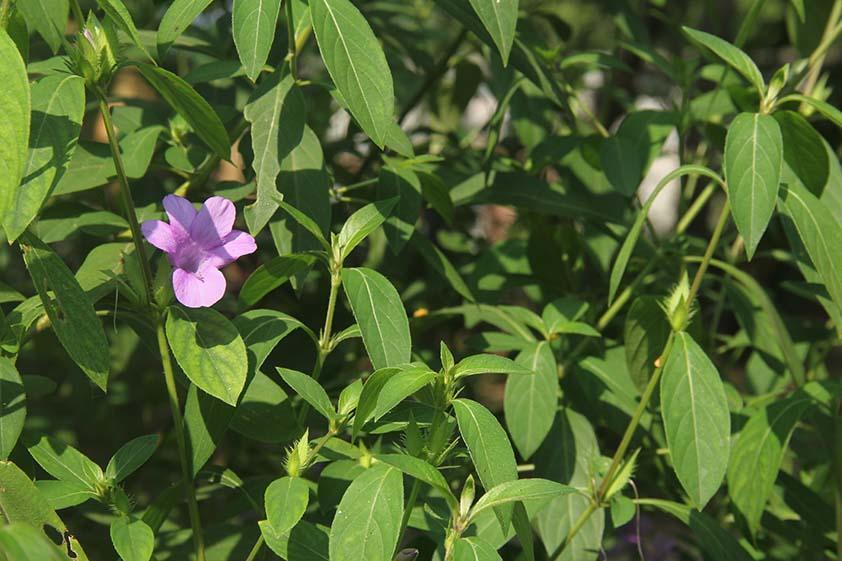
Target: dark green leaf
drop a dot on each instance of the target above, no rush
(646, 333)
(131, 456)
(731, 54)
(132, 538)
(530, 401)
(64, 462)
(402, 184)
(273, 274)
(500, 19)
(12, 407)
(362, 223)
(176, 20)
(309, 390)
(254, 23)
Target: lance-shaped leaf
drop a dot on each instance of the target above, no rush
(48, 18)
(488, 364)
(404, 185)
(14, 126)
(696, 418)
(176, 20)
(420, 470)
(58, 105)
(209, 350)
(65, 462)
(530, 401)
(381, 316)
(731, 54)
(522, 490)
(286, 501)
(362, 223)
(368, 519)
(753, 163)
(474, 549)
(119, 14)
(499, 17)
(277, 114)
(206, 420)
(646, 332)
(309, 390)
(132, 538)
(12, 406)
(273, 274)
(385, 389)
(357, 65)
(71, 312)
(254, 23)
(131, 456)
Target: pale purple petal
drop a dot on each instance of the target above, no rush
(197, 290)
(159, 234)
(213, 223)
(180, 211)
(235, 245)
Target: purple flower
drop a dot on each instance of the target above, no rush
(197, 245)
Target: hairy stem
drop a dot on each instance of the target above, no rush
(178, 421)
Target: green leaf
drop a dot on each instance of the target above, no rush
(381, 316)
(309, 390)
(442, 265)
(758, 452)
(14, 127)
(489, 447)
(522, 490)
(804, 151)
(368, 519)
(356, 64)
(205, 421)
(209, 350)
(753, 163)
(254, 23)
(132, 538)
(286, 501)
(474, 549)
(824, 108)
(176, 20)
(420, 470)
(732, 55)
(385, 389)
(48, 18)
(261, 331)
(625, 253)
(696, 419)
(499, 17)
(265, 411)
(58, 105)
(12, 407)
(627, 156)
(717, 542)
(71, 312)
(401, 184)
(362, 223)
(488, 364)
(819, 231)
(277, 114)
(305, 222)
(64, 494)
(646, 333)
(530, 401)
(117, 12)
(183, 98)
(271, 275)
(64, 462)
(305, 542)
(22, 542)
(131, 456)
(304, 184)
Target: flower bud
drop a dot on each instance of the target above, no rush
(93, 56)
(466, 500)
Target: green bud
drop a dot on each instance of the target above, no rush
(93, 55)
(676, 305)
(447, 361)
(776, 84)
(298, 455)
(350, 397)
(466, 500)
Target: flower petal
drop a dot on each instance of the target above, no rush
(180, 211)
(197, 290)
(213, 223)
(159, 234)
(235, 245)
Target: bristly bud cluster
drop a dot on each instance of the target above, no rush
(298, 456)
(93, 55)
(676, 305)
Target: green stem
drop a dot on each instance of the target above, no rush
(258, 545)
(4, 13)
(714, 241)
(77, 13)
(291, 46)
(357, 185)
(816, 60)
(178, 421)
(126, 197)
(410, 504)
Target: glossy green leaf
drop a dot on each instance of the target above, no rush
(271, 275)
(804, 151)
(731, 54)
(309, 390)
(178, 17)
(48, 18)
(523, 490)
(500, 20)
(420, 470)
(131, 456)
(191, 106)
(12, 407)
(64, 462)
(474, 549)
(824, 108)
(209, 350)
(70, 310)
(132, 538)
(357, 65)
(489, 447)
(58, 105)
(696, 418)
(362, 223)
(277, 114)
(14, 127)
(627, 156)
(530, 401)
(368, 519)
(254, 23)
(753, 163)
(64, 494)
(646, 333)
(488, 364)
(286, 501)
(381, 316)
(385, 389)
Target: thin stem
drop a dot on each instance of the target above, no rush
(357, 185)
(77, 13)
(580, 522)
(291, 45)
(410, 504)
(4, 13)
(178, 421)
(714, 241)
(816, 60)
(126, 197)
(698, 203)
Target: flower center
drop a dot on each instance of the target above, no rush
(190, 256)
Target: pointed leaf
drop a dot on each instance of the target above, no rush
(273, 274)
(48, 18)
(14, 126)
(530, 402)
(362, 223)
(65, 462)
(731, 54)
(12, 407)
(499, 17)
(286, 501)
(131, 456)
(488, 364)
(254, 23)
(309, 390)
(176, 20)
(132, 538)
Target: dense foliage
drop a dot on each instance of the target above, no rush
(454, 280)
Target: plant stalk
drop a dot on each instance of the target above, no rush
(714, 241)
(291, 45)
